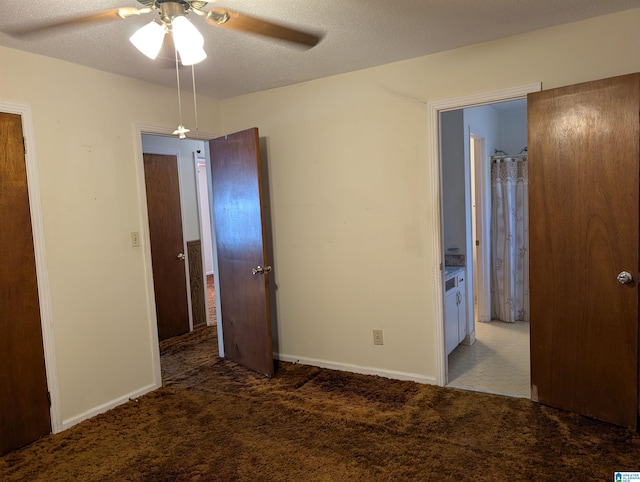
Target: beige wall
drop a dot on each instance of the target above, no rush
(351, 191)
(86, 151)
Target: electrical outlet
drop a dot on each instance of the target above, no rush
(135, 239)
(377, 337)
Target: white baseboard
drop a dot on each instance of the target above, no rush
(70, 422)
(347, 367)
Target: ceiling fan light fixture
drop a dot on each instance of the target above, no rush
(148, 39)
(192, 56)
(188, 41)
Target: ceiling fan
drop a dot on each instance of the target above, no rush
(188, 42)
(187, 39)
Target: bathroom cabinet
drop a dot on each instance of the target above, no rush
(455, 309)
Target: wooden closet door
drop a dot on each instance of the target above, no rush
(583, 207)
(167, 244)
(24, 398)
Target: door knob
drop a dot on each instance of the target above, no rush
(181, 256)
(261, 270)
(624, 277)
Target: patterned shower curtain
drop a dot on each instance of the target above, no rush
(509, 240)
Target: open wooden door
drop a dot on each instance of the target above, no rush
(242, 256)
(584, 222)
(167, 244)
(24, 401)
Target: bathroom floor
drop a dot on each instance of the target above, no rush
(498, 361)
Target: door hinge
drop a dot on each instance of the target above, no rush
(24, 146)
(49, 398)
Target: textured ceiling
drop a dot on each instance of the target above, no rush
(357, 34)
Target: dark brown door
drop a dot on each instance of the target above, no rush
(167, 245)
(24, 404)
(584, 178)
(240, 238)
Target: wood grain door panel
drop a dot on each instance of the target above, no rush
(584, 223)
(167, 242)
(240, 233)
(24, 403)
(197, 282)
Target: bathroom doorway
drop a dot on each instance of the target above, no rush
(490, 355)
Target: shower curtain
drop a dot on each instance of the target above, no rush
(509, 240)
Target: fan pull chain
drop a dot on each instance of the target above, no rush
(181, 130)
(178, 82)
(195, 104)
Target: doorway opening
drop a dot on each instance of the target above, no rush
(234, 171)
(189, 153)
(187, 172)
(469, 130)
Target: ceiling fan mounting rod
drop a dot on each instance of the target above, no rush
(185, 4)
(172, 9)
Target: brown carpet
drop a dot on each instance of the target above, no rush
(215, 421)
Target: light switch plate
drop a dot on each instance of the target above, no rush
(135, 239)
(377, 337)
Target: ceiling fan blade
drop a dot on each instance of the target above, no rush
(102, 16)
(221, 17)
(197, 11)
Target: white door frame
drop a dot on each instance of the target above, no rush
(42, 275)
(204, 236)
(197, 160)
(480, 227)
(434, 109)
